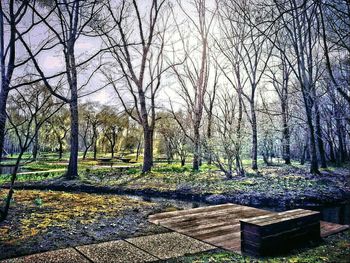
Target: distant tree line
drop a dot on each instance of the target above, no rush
(215, 81)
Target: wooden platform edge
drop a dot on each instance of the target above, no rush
(334, 228)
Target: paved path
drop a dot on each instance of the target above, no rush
(42, 172)
(132, 250)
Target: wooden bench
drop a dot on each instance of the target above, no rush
(277, 233)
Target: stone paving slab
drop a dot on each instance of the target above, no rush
(118, 251)
(169, 245)
(57, 256)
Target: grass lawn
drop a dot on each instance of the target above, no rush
(280, 180)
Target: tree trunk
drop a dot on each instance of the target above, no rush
(238, 144)
(60, 150)
(85, 152)
(72, 172)
(313, 151)
(239, 167)
(254, 137)
(148, 150)
(4, 212)
(183, 162)
(95, 149)
(3, 100)
(112, 150)
(303, 154)
(209, 138)
(331, 151)
(285, 136)
(341, 153)
(138, 150)
(35, 146)
(320, 145)
(196, 150)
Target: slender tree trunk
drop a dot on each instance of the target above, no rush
(303, 154)
(138, 150)
(313, 151)
(35, 146)
(60, 150)
(112, 150)
(95, 148)
(72, 172)
(4, 211)
(209, 136)
(331, 151)
(196, 150)
(342, 153)
(285, 135)
(239, 166)
(320, 145)
(85, 152)
(254, 137)
(148, 150)
(3, 100)
(183, 162)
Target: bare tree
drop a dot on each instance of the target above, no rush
(227, 141)
(300, 24)
(248, 53)
(334, 17)
(11, 16)
(66, 22)
(113, 125)
(90, 120)
(139, 59)
(209, 107)
(25, 107)
(193, 74)
(279, 75)
(59, 126)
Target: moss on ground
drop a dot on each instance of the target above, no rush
(273, 181)
(35, 212)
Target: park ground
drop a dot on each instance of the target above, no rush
(42, 220)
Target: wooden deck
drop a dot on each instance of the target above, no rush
(219, 225)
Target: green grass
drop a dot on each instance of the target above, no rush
(43, 166)
(5, 178)
(271, 181)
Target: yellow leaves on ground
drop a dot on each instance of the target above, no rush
(58, 209)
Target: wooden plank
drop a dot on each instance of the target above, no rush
(267, 216)
(225, 237)
(206, 219)
(292, 217)
(282, 216)
(193, 219)
(204, 214)
(156, 217)
(217, 232)
(232, 244)
(205, 223)
(239, 211)
(328, 228)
